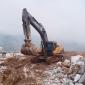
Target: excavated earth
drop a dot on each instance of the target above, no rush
(19, 70)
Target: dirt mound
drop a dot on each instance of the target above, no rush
(18, 70)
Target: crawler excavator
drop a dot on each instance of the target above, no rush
(50, 50)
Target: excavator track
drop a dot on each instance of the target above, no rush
(53, 59)
(48, 60)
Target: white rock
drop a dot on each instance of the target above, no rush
(59, 64)
(78, 84)
(59, 69)
(77, 77)
(25, 72)
(76, 59)
(82, 79)
(67, 63)
(82, 67)
(67, 81)
(80, 61)
(8, 55)
(22, 58)
(71, 83)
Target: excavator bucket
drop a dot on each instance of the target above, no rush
(26, 49)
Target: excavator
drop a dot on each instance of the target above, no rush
(50, 50)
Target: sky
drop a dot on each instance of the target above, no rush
(62, 19)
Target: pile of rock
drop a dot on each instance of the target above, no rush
(69, 72)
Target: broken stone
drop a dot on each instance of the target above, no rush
(77, 77)
(75, 68)
(59, 64)
(71, 76)
(65, 70)
(75, 59)
(66, 63)
(71, 83)
(82, 79)
(78, 84)
(59, 70)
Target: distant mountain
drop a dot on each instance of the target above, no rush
(13, 43)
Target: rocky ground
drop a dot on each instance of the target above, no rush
(16, 69)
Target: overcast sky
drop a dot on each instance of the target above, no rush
(62, 19)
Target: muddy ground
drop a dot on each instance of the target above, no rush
(18, 70)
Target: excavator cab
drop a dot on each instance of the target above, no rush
(50, 47)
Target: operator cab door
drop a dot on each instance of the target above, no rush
(50, 47)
